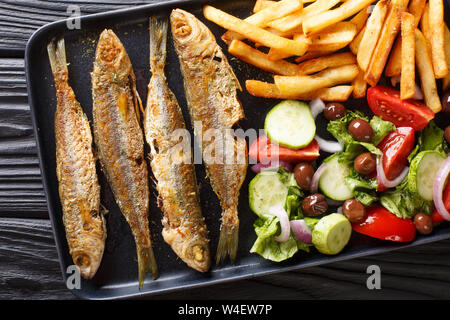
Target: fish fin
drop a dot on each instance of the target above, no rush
(138, 103)
(56, 50)
(158, 37)
(229, 236)
(146, 263)
(224, 62)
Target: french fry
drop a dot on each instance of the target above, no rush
(416, 8)
(298, 85)
(390, 30)
(394, 65)
(333, 38)
(371, 35)
(354, 45)
(262, 4)
(322, 63)
(425, 67)
(359, 86)
(446, 80)
(319, 22)
(270, 90)
(436, 24)
(312, 54)
(287, 34)
(276, 54)
(407, 78)
(252, 32)
(359, 20)
(296, 19)
(260, 19)
(259, 59)
(425, 26)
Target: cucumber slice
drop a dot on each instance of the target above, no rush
(332, 181)
(331, 234)
(290, 124)
(265, 191)
(422, 171)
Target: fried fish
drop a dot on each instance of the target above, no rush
(211, 93)
(184, 226)
(120, 142)
(78, 186)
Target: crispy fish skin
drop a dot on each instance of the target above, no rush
(184, 226)
(78, 186)
(120, 142)
(210, 86)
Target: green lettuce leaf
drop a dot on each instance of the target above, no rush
(338, 127)
(363, 188)
(381, 129)
(355, 148)
(267, 229)
(430, 138)
(403, 203)
(266, 245)
(294, 196)
(352, 148)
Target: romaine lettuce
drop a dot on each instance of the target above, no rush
(267, 229)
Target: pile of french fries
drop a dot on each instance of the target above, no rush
(331, 49)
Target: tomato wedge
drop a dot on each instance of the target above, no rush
(396, 147)
(436, 217)
(385, 102)
(380, 223)
(264, 150)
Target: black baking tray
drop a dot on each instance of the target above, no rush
(117, 275)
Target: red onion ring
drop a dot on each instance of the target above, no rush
(301, 231)
(317, 106)
(316, 177)
(438, 188)
(381, 176)
(328, 146)
(271, 166)
(281, 214)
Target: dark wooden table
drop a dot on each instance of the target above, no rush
(29, 267)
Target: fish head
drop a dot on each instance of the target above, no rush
(191, 37)
(88, 260)
(196, 253)
(111, 55)
(193, 250)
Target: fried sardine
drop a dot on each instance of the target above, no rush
(79, 190)
(210, 86)
(120, 142)
(184, 226)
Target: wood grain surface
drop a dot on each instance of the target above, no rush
(29, 267)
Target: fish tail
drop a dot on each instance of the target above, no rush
(229, 236)
(158, 35)
(57, 56)
(146, 263)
